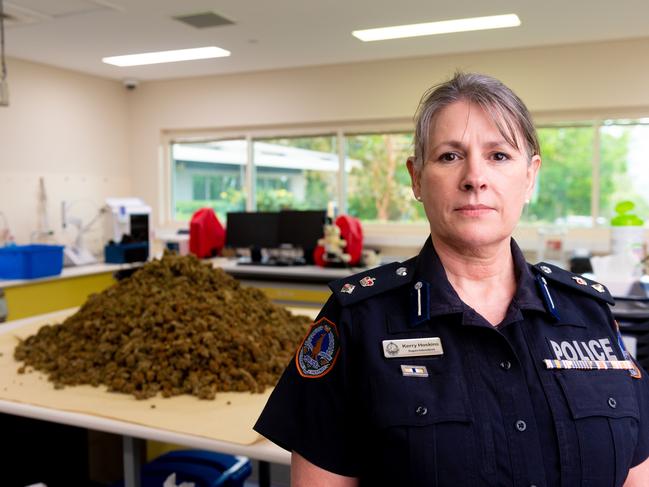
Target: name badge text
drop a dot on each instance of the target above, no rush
(414, 347)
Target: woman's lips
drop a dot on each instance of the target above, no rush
(474, 210)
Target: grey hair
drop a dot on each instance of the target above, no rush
(507, 110)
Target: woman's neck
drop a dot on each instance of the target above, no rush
(476, 263)
(483, 278)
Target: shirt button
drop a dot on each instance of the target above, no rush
(521, 425)
(612, 402)
(421, 411)
(506, 365)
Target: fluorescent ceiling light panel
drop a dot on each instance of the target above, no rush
(442, 27)
(166, 56)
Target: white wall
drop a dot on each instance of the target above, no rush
(72, 130)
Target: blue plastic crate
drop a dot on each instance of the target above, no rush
(203, 468)
(30, 261)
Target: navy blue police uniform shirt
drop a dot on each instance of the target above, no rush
(400, 383)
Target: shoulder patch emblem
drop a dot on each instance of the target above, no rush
(319, 350)
(635, 372)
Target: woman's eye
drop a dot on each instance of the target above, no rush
(500, 156)
(448, 157)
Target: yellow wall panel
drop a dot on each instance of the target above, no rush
(37, 298)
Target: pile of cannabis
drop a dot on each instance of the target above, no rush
(176, 326)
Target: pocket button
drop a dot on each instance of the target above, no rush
(612, 402)
(421, 411)
(521, 425)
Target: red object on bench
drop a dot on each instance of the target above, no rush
(206, 234)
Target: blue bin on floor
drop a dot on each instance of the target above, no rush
(30, 261)
(203, 468)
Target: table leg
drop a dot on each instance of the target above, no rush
(264, 474)
(132, 449)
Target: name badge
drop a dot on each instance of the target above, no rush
(415, 347)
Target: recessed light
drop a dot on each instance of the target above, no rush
(166, 56)
(442, 27)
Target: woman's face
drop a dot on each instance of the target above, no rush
(473, 184)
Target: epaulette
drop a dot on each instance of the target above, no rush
(372, 282)
(574, 281)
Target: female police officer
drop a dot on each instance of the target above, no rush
(465, 365)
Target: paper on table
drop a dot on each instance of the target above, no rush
(229, 417)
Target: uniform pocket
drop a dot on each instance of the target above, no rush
(423, 431)
(605, 413)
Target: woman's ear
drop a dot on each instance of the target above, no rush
(414, 177)
(532, 171)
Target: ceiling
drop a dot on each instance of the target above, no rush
(271, 34)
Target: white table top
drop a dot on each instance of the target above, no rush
(87, 417)
(298, 272)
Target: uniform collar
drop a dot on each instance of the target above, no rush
(444, 300)
(527, 292)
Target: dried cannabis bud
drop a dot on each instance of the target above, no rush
(176, 326)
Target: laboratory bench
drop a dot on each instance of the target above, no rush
(48, 413)
(223, 424)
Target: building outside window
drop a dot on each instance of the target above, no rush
(208, 174)
(299, 173)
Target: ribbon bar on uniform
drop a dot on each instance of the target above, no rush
(589, 364)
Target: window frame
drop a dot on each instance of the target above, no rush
(397, 234)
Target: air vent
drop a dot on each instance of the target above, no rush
(201, 21)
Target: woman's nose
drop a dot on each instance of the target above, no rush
(473, 176)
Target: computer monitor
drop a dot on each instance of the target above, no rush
(301, 228)
(270, 230)
(252, 230)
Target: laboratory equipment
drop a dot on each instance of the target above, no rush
(78, 253)
(128, 217)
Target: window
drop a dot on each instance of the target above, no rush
(208, 174)
(299, 173)
(624, 173)
(378, 183)
(588, 167)
(564, 184)
(573, 171)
